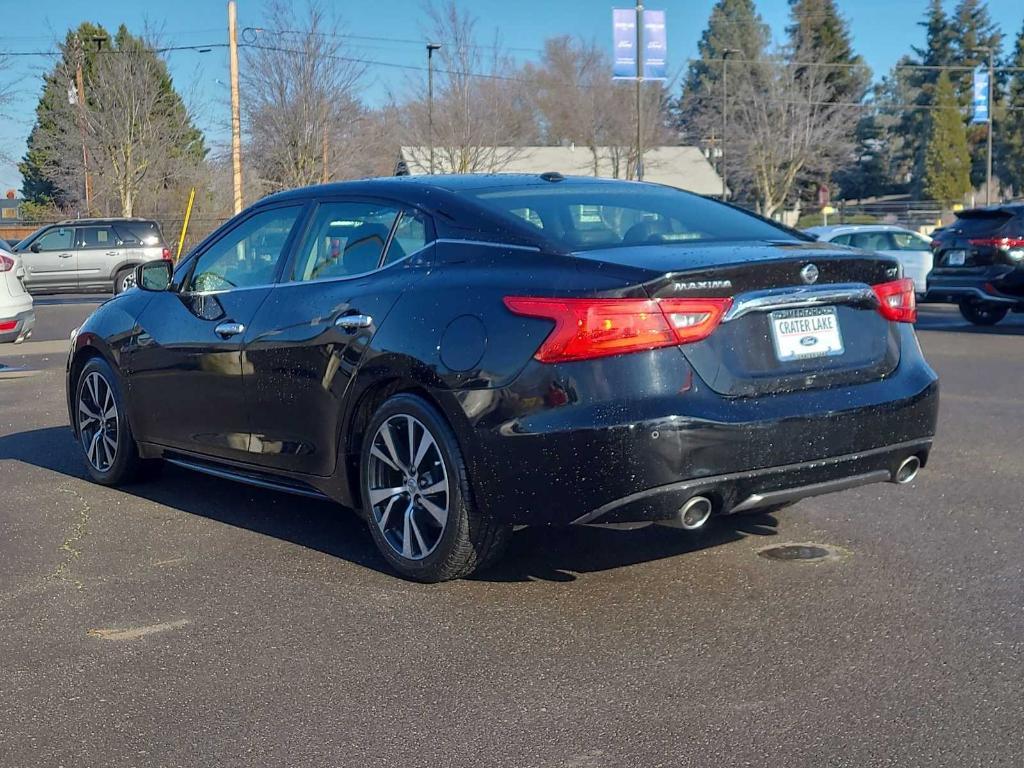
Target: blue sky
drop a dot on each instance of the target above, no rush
(882, 31)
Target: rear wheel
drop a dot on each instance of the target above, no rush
(416, 495)
(111, 455)
(124, 280)
(982, 312)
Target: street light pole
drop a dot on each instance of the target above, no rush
(725, 117)
(991, 125)
(431, 47)
(639, 86)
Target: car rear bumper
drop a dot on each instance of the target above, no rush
(25, 323)
(997, 284)
(631, 459)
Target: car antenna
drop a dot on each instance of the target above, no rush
(552, 176)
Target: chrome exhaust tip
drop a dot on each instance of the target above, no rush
(907, 471)
(694, 513)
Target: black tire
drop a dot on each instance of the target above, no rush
(470, 537)
(982, 312)
(124, 280)
(125, 465)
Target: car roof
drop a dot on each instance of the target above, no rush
(110, 220)
(838, 229)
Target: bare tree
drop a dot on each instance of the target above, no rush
(132, 134)
(482, 108)
(786, 122)
(303, 117)
(578, 101)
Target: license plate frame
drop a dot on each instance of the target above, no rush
(811, 332)
(956, 258)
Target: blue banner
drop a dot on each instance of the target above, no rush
(624, 42)
(981, 88)
(655, 46)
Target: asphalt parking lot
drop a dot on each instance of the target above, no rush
(192, 621)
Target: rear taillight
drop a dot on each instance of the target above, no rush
(166, 254)
(6, 263)
(897, 300)
(998, 242)
(589, 328)
(8, 325)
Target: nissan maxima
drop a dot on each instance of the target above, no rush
(456, 356)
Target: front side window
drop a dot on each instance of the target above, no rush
(870, 241)
(345, 239)
(841, 240)
(248, 255)
(97, 237)
(56, 240)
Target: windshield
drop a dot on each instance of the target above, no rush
(585, 217)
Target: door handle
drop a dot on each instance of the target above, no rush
(111, 253)
(65, 256)
(227, 330)
(352, 322)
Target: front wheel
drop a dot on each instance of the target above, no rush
(111, 455)
(124, 280)
(417, 498)
(982, 312)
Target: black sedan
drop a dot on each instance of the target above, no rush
(456, 356)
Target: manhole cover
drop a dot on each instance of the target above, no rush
(796, 552)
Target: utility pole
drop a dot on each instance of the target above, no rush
(725, 117)
(236, 118)
(639, 90)
(991, 124)
(431, 47)
(80, 90)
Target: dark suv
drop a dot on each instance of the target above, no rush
(979, 263)
(89, 254)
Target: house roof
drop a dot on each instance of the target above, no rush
(680, 167)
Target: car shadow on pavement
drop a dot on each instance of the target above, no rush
(545, 554)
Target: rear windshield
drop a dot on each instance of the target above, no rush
(585, 217)
(144, 233)
(977, 223)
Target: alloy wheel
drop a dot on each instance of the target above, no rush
(408, 486)
(127, 282)
(98, 423)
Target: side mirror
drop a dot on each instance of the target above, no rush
(154, 275)
(35, 247)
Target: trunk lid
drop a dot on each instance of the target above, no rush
(803, 314)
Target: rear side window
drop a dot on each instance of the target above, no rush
(345, 239)
(139, 233)
(97, 237)
(411, 234)
(589, 216)
(870, 241)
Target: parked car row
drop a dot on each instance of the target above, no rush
(977, 262)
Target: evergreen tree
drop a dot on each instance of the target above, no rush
(947, 160)
(820, 36)
(919, 85)
(1010, 158)
(52, 166)
(974, 31)
(735, 31)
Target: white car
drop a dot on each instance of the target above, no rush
(911, 249)
(17, 316)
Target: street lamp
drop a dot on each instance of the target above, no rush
(991, 115)
(431, 47)
(725, 116)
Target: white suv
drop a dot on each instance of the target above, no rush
(17, 317)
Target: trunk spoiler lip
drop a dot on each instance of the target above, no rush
(796, 297)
